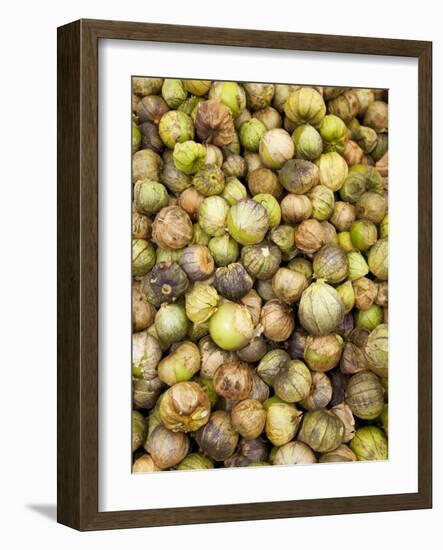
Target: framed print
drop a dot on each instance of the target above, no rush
(239, 333)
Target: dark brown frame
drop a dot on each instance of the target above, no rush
(77, 274)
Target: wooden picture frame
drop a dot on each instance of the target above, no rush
(78, 274)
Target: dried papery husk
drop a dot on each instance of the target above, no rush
(299, 176)
(261, 260)
(151, 108)
(376, 116)
(321, 308)
(167, 448)
(172, 228)
(322, 430)
(296, 344)
(146, 164)
(218, 439)
(282, 422)
(277, 319)
(370, 443)
(168, 281)
(276, 147)
(330, 233)
(303, 266)
(248, 418)
(233, 380)
(378, 260)
(230, 94)
(249, 451)
(146, 355)
(144, 464)
(264, 289)
(341, 454)
(281, 94)
(190, 200)
(139, 430)
(376, 350)
(295, 208)
(260, 390)
(346, 326)
(343, 216)
(271, 364)
(173, 92)
(250, 134)
(339, 383)
(146, 392)
(361, 178)
(197, 262)
(365, 291)
(294, 452)
(143, 257)
(288, 285)
(173, 178)
(180, 365)
(364, 395)
(344, 412)
(150, 138)
(214, 123)
(233, 281)
(247, 222)
(322, 353)
(382, 167)
(357, 266)
(305, 105)
(353, 153)
(352, 359)
(382, 293)
(283, 236)
(143, 86)
(381, 149)
(234, 166)
(185, 407)
(258, 95)
(209, 180)
(234, 191)
(346, 105)
(195, 461)
(308, 142)
(270, 117)
(320, 393)
(253, 302)
(331, 264)
(143, 313)
(212, 357)
(263, 180)
(201, 303)
(309, 236)
(171, 323)
(141, 225)
(322, 200)
(293, 382)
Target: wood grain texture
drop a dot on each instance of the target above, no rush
(68, 276)
(78, 271)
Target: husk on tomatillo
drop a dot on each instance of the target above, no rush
(260, 281)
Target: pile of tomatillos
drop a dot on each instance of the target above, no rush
(260, 274)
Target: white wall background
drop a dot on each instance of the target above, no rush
(28, 270)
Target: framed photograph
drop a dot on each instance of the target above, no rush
(230, 344)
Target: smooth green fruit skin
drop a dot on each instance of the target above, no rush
(369, 318)
(363, 234)
(222, 329)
